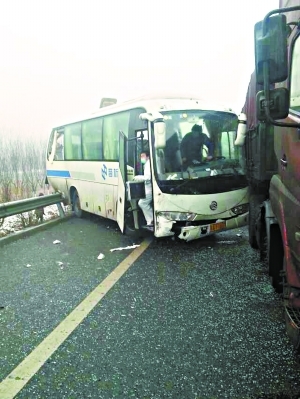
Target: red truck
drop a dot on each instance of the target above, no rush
(271, 152)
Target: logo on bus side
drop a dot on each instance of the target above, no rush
(108, 172)
(104, 171)
(213, 206)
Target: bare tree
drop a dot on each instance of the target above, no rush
(23, 167)
(33, 165)
(6, 172)
(15, 154)
(41, 162)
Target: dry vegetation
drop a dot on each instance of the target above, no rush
(23, 168)
(22, 172)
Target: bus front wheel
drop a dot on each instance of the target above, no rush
(129, 228)
(76, 205)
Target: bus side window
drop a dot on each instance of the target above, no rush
(59, 151)
(142, 144)
(50, 148)
(55, 151)
(92, 139)
(135, 125)
(72, 148)
(112, 125)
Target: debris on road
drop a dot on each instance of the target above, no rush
(101, 256)
(120, 249)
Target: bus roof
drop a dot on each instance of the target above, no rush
(155, 103)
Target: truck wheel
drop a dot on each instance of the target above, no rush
(254, 210)
(275, 256)
(292, 326)
(76, 205)
(263, 239)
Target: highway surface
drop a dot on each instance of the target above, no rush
(100, 315)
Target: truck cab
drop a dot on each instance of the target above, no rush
(272, 154)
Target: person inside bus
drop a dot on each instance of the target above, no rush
(146, 203)
(192, 145)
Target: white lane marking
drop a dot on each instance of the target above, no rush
(20, 376)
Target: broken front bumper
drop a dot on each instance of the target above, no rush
(189, 233)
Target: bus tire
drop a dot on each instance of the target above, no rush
(76, 205)
(129, 229)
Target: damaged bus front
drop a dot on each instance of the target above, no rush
(198, 181)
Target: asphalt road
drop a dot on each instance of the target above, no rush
(196, 320)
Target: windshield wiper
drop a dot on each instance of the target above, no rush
(173, 189)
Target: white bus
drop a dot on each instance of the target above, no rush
(93, 162)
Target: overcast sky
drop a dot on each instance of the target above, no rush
(60, 57)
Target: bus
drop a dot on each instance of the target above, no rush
(93, 162)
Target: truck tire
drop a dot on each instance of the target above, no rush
(292, 329)
(254, 210)
(275, 258)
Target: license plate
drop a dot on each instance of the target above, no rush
(217, 226)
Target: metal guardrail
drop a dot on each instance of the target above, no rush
(29, 204)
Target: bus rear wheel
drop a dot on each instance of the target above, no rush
(76, 205)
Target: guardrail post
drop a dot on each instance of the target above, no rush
(60, 210)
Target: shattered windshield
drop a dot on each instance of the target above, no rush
(199, 144)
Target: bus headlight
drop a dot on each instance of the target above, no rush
(239, 209)
(178, 216)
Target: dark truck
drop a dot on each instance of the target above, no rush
(271, 152)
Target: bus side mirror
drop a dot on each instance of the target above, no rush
(160, 134)
(278, 106)
(271, 48)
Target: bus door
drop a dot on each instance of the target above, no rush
(122, 178)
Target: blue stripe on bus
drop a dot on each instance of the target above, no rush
(58, 173)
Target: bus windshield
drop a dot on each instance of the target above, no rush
(199, 146)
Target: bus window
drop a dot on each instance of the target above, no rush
(135, 125)
(229, 150)
(111, 126)
(55, 151)
(73, 142)
(142, 144)
(59, 151)
(92, 139)
(50, 145)
(225, 145)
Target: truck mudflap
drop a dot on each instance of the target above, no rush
(189, 233)
(292, 318)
